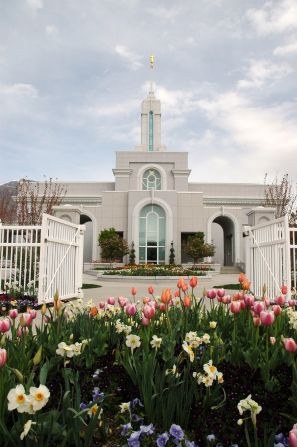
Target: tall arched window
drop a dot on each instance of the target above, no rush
(151, 179)
(152, 235)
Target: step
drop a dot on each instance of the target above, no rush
(230, 269)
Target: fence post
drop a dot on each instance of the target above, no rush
(287, 260)
(80, 261)
(42, 260)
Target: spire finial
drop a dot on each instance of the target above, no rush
(152, 61)
(152, 64)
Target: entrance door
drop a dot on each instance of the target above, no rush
(152, 222)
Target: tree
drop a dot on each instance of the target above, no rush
(7, 207)
(197, 249)
(172, 255)
(282, 196)
(132, 254)
(112, 245)
(35, 198)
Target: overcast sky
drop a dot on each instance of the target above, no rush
(73, 74)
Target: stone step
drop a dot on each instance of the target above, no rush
(230, 269)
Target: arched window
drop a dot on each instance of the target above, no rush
(152, 235)
(151, 179)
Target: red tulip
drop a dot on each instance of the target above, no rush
(242, 305)
(221, 293)
(235, 307)
(149, 311)
(193, 281)
(226, 299)
(111, 300)
(133, 291)
(277, 310)
(184, 287)
(150, 290)
(293, 436)
(162, 307)
(176, 294)
(290, 344)
(122, 301)
(267, 317)
(280, 300)
(131, 309)
(101, 305)
(284, 290)
(3, 357)
(211, 294)
(237, 296)
(13, 313)
(145, 321)
(187, 301)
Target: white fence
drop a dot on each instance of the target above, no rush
(46, 258)
(271, 257)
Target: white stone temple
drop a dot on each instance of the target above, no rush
(152, 203)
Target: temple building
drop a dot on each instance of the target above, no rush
(152, 203)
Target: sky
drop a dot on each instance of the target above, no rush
(73, 74)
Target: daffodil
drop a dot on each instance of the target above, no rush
(133, 341)
(27, 428)
(125, 407)
(210, 369)
(156, 342)
(39, 396)
(17, 399)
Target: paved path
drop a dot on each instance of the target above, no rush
(123, 288)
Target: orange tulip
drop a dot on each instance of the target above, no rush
(166, 296)
(187, 301)
(193, 281)
(241, 277)
(246, 284)
(133, 291)
(93, 311)
(180, 283)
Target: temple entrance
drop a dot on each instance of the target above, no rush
(88, 239)
(222, 236)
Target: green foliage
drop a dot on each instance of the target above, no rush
(132, 254)
(172, 255)
(113, 247)
(197, 249)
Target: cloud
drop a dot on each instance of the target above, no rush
(19, 90)
(113, 110)
(35, 4)
(284, 50)
(276, 16)
(165, 13)
(51, 30)
(262, 71)
(133, 60)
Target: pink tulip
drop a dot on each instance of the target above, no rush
(235, 307)
(258, 307)
(272, 340)
(101, 305)
(133, 291)
(237, 296)
(277, 310)
(211, 294)
(149, 311)
(256, 321)
(162, 307)
(219, 299)
(150, 290)
(111, 300)
(290, 344)
(145, 321)
(293, 436)
(122, 301)
(221, 293)
(33, 313)
(292, 303)
(13, 313)
(280, 300)
(4, 325)
(3, 357)
(242, 305)
(131, 309)
(226, 299)
(22, 331)
(267, 317)
(249, 300)
(26, 319)
(284, 290)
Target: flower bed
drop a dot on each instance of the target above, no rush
(170, 372)
(158, 270)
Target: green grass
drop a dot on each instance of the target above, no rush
(90, 286)
(228, 286)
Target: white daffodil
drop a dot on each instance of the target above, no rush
(125, 407)
(133, 341)
(212, 324)
(39, 396)
(27, 428)
(206, 339)
(248, 404)
(210, 369)
(189, 351)
(17, 399)
(156, 342)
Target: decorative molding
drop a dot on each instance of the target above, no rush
(181, 172)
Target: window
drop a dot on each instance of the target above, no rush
(151, 179)
(152, 235)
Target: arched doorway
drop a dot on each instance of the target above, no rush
(223, 237)
(152, 235)
(88, 237)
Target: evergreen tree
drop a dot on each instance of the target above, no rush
(132, 254)
(172, 255)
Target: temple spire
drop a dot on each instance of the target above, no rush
(152, 64)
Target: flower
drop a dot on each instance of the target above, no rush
(3, 357)
(151, 290)
(240, 422)
(149, 311)
(162, 439)
(211, 294)
(13, 313)
(133, 291)
(221, 293)
(210, 369)
(147, 429)
(39, 396)
(267, 317)
(134, 441)
(290, 344)
(189, 351)
(125, 407)
(131, 309)
(193, 281)
(156, 342)
(172, 371)
(27, 428)
(133, 341)
(166, 296)
(176, 431)
(248, 404)
(4, 325)
(17, 399)
(235, 307)
(211, 438)
(212, 324)
(293, 436)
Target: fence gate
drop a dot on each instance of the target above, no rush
(268, 260)
(43, 259)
